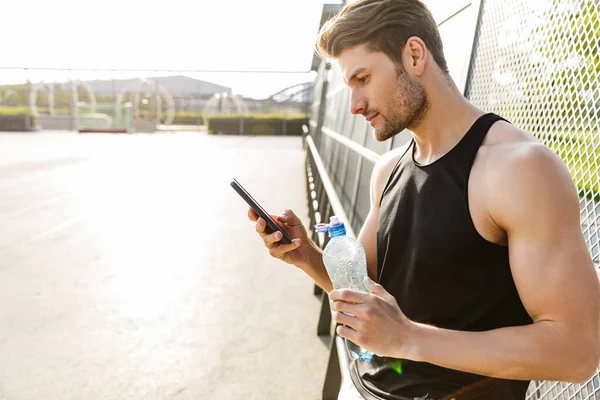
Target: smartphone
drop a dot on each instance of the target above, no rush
(271, 225)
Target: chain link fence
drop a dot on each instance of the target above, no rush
(537, 63)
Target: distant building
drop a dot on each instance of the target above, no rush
(188, 94)
(175, 85)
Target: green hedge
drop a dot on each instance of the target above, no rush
(180, 118)
(260, 116)
(13, 110)
(258, 124)
(17, 112)
(188, 118)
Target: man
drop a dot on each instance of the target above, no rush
(473, 235)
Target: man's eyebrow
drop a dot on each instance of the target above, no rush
(358, 71)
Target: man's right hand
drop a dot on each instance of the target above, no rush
(295, 253)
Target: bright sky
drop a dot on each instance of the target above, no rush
(273, 35)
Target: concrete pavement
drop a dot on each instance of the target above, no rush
(129, 270)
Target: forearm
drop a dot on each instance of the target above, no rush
(540, 351)
(315, 268)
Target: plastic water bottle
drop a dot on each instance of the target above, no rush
(346, 263)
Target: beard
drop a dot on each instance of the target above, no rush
(407, 108)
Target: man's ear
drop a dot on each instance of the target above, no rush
(416, 56)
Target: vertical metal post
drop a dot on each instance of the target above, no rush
(333, 376)
(469, 74)
(338, 146)
(346, 158)
(322, 104)
(72, 103)
(157, 103)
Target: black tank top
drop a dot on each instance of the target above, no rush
(442, 272)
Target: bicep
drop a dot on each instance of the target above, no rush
(368, 238)
(368, 234)
(549, 260)
(553, 272)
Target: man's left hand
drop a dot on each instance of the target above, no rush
(376, 324)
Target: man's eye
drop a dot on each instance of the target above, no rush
(363, 79)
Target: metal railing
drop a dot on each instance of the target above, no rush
(323, 203)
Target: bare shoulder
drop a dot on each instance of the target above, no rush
(510, 154)
(383, 169)
(518, 173)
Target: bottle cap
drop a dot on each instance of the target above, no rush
(336, 227)
(321, 228)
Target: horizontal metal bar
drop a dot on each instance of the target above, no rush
(342, 356)
(335, 202)
(352, 145)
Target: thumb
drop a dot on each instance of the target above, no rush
(377, 289)
(289, 218)
(373, 286)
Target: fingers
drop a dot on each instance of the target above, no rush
(252, 214)
(343, 307)
(348, 295)
(271, 239)
(348, 320)
(267, 236)
(348, 333)
(278, 251)
(288, 217)
(359, 312)
(261, 225)
(378, 290)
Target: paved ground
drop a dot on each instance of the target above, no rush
(129, 270)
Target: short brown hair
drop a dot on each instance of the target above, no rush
(382, 25)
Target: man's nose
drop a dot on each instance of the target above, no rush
(358, 105)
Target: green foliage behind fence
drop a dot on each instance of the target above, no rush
(581, 153)
(13, 110)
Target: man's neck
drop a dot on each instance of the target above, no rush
(448, 119)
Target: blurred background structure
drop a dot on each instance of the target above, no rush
(155, 101)
(166, 66)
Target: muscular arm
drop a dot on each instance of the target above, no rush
(368, 234)
(532, 198)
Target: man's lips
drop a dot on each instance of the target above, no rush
(370, 117)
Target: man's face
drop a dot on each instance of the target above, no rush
(382, 91)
